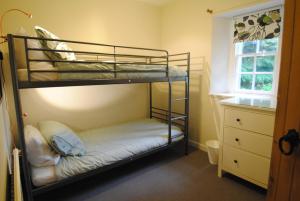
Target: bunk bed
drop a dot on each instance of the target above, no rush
(110, 64)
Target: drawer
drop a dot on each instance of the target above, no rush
(257, 122)
(247, 164)
(249, 141)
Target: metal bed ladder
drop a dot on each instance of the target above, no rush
(169, 113)
(184, 117)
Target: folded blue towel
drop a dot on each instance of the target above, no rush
(62, 138)
(67, 144)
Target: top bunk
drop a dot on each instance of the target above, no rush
(38, 62)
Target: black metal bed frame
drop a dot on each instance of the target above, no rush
(161, 58)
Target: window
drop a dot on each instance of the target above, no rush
(246, 52)
(256, 42)
(256, 65)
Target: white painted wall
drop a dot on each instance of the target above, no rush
(187, 26)
(220, 61)
(177, 26)
(122, 22)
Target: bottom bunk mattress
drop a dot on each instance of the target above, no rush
(106, 146)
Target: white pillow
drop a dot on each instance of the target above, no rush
(54, 45)
(62, 138)
(38, 151)
(21, 56)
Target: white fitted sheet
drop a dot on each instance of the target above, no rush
(106, 146)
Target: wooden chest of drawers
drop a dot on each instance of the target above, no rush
(246, 143)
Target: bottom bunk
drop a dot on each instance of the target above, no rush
(103, 147)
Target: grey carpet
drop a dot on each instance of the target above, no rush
(166, 176)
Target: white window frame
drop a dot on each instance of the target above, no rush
(237, 71)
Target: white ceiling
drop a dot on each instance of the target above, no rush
(157, 2)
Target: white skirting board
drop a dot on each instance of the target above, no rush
(197, 145)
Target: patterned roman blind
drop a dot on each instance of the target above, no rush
(258, 26)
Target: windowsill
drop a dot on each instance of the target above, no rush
(222, 95)
(242, 95)
(258, 101)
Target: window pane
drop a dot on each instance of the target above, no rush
(246, 81)
(249, 47)
(238, 48)
(265, 63)
(247, 64)
(268, 45)
(264, 82)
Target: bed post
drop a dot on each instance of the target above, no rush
(150, 104)
(115, 65)
(20, 126)
(187, 104)
(169, 102)
(170, 113)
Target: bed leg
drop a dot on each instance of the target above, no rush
(186, 147)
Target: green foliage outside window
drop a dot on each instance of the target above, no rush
(263, 82)
(265, 63)
(246, 81)
(249, 47)
(269, 45)
(247, 64)
(258, 57)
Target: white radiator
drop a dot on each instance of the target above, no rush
(16, 180)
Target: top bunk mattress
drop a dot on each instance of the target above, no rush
(123, 71)
(106, 146)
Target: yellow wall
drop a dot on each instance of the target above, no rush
(187, 26)
(3, 159)
(122, 22)
(181, 25)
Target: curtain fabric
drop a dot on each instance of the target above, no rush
(258, 26)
